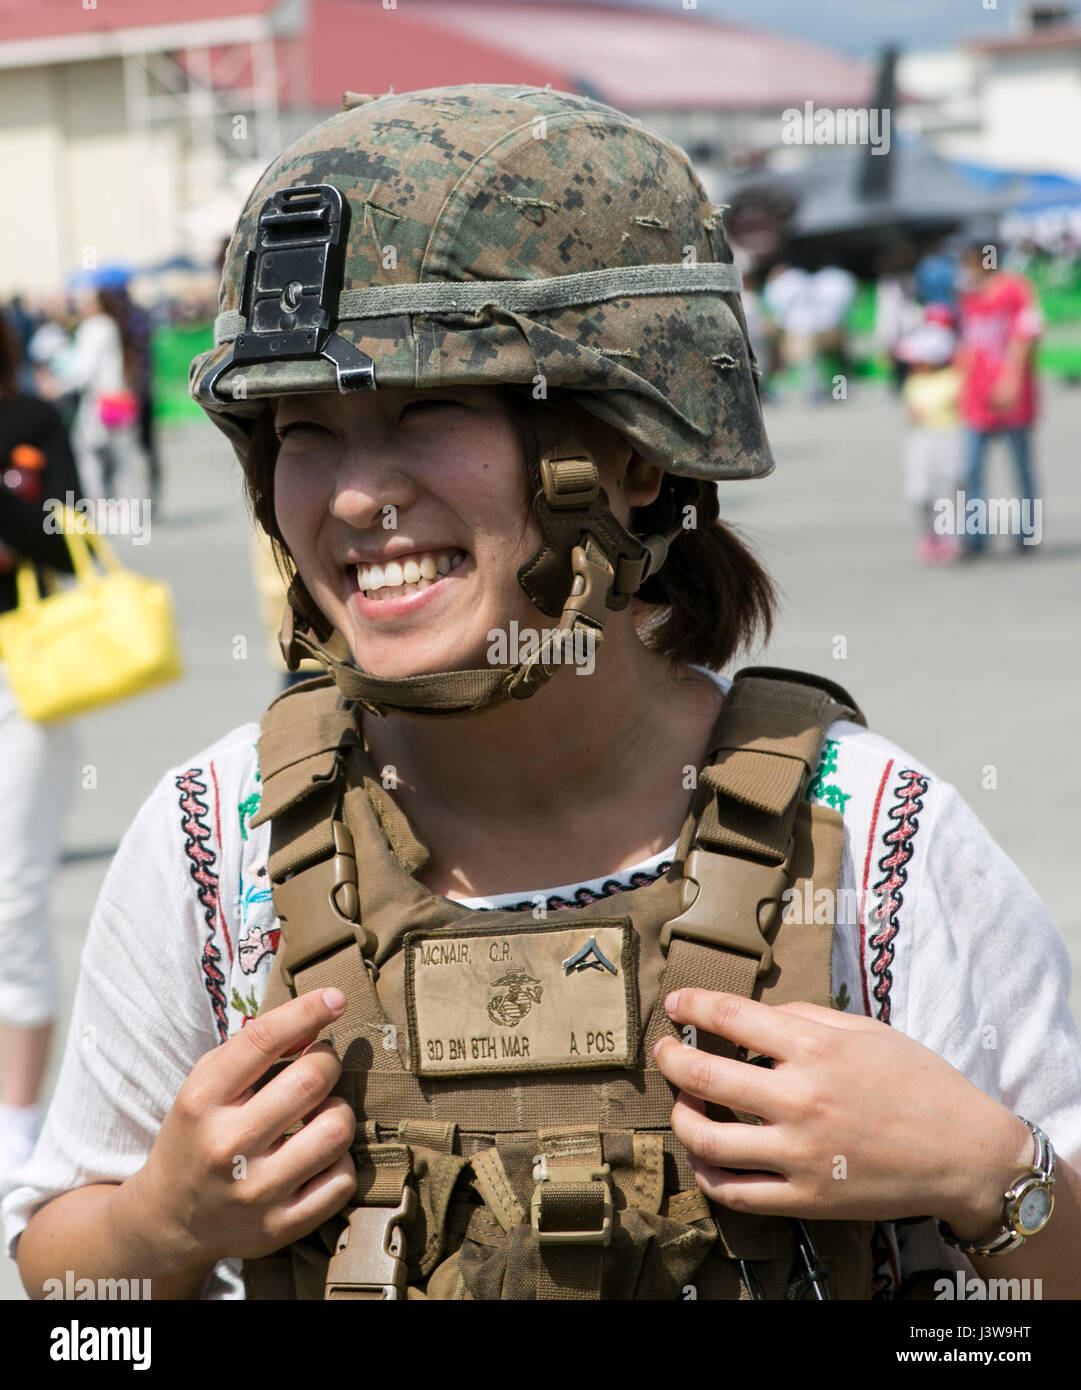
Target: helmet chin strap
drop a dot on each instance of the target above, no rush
(587, 564)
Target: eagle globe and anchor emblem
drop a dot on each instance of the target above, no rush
(520, 990)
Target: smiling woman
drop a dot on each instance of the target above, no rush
(536, 929)
(711, 598)
(387, 480)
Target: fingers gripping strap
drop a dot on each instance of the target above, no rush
(693, 965)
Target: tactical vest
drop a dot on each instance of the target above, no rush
(513, 1131)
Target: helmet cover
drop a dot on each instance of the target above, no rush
(452, 198)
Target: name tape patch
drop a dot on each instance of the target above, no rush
(527, 999)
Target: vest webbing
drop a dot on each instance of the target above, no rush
(462, 1179)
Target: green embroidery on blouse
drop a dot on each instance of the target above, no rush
(246, 809)
(818, 788)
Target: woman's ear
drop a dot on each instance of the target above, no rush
(633, 480)
(641, 481)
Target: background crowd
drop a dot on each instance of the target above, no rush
(955, 331)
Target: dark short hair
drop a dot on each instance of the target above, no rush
(711, 599)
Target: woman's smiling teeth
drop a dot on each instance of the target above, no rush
(399, 577)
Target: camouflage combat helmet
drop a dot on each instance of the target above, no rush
(496, 235)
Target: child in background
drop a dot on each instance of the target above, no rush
(931, 452)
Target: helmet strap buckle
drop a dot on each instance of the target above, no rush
(588, 599)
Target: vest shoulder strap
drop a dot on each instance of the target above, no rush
(303, 736)
(306, 735)
(846, 705)
(742, 851)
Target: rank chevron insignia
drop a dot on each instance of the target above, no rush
(590, 957)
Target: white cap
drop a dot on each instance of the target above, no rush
(932, 343)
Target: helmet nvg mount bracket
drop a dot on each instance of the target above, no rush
(489, 235)
(290, 287)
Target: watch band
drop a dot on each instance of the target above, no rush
(1040, 1175)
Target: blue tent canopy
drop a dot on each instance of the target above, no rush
(1023, 191)
(105, 277)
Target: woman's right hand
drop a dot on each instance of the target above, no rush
(222, 1180)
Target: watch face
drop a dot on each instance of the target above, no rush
(1033, 1210)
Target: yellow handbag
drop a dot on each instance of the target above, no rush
(109, 636)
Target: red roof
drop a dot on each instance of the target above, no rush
(630, 57)
(372, 50)
(49, 19)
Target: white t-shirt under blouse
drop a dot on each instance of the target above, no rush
(945, 940)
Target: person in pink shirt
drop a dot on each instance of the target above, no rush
(1001, 323)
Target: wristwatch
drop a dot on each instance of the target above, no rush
(1027, 1205)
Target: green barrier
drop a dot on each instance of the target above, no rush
(1059, 353)
(173, 348)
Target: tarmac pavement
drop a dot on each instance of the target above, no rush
(963, 666)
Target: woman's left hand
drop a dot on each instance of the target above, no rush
(859, 1121)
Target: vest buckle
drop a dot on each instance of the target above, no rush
(324, 895)
(369, 1258)
(736, 901)
(550, 1206)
